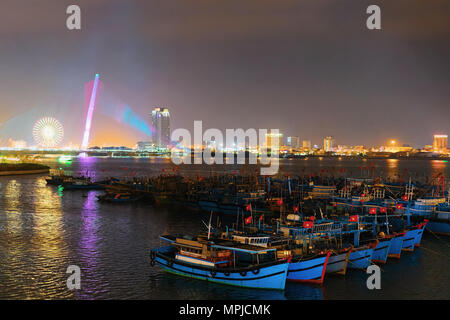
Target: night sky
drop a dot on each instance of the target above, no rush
(308, 67)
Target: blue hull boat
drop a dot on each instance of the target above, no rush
(381, 251)
(308, 271)
(395, 249)
(439, 227)
(360, 258)
(419, 234)
(409, 240)
(264, 276)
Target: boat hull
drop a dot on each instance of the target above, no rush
(360, 258)
(395, 249)
(409, 240)
(308, 271)
(438, 227)
(418, 237)
(381, 251)
(337, 263)
(267, 276)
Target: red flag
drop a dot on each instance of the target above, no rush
(248, 207)
(399, 206)
(383, 210)
(343, 170)
(125, 168)
(295, 208)
(248, 220)
(373, 211)
(354, 218)
(405, 197)
(103, 170)
(335, 204)
(261, 217)
(312, 218)
(308, 224)
(280, 202)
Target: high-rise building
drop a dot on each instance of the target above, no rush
(307, 144)
(161, 127)
(440, 143)
(274, 136)
(328, 144)
(145, 146)
(293, 142)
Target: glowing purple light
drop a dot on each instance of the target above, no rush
(87, 127)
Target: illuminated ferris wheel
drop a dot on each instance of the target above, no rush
(48, 132)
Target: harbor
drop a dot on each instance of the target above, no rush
(112, 241)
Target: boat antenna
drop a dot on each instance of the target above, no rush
(209, 225)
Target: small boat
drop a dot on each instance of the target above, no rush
(118, 198)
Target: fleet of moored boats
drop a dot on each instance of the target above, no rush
(287, 229)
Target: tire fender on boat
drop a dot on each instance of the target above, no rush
(226, 273)
(243, 273)
(213, 273)
(255, 271)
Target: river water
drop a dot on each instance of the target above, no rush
(43, 230)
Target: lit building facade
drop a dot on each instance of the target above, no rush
(293, 142)
(328, 144)
(307, 144)
(161, 127)
(440, 143)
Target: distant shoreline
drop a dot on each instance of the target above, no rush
(8, 169)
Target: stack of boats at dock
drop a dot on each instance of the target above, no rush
(292, 248)
(230, 194)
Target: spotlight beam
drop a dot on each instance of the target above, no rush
(87, 127)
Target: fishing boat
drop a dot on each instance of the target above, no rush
(338, 262)
(440, 222)
(395, 248)
(381, 251)
(118, 197)
(360, 257)
(309, 269)
(222, 261)
(80, 184)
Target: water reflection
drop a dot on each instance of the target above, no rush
(89, 249)
(48, 243)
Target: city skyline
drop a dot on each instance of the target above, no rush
(292, 76)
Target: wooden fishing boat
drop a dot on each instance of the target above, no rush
(222, 261)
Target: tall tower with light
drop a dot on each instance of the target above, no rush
(161, 127)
